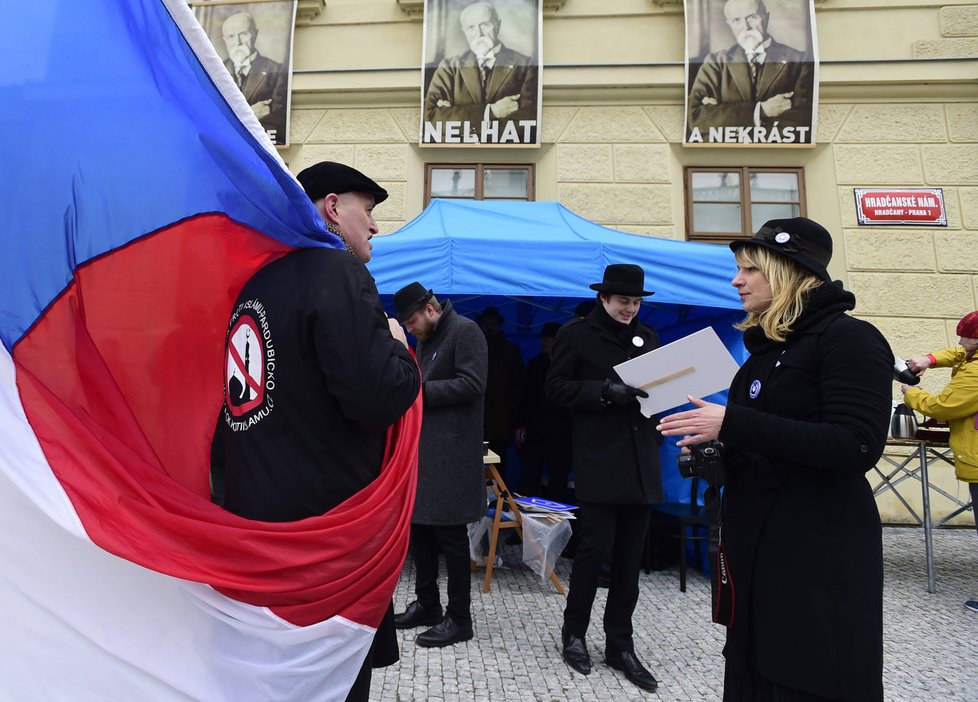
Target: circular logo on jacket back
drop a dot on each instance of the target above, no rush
(244, 384)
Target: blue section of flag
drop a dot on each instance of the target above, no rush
(112, 130)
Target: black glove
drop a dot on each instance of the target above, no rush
(620, 394)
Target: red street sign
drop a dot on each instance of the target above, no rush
(906, 206)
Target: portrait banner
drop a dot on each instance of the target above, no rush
(751, 73)
(254, 39)
(481, 73)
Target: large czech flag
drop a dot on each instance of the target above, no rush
(139, 193)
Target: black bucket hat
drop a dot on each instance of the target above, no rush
(623, 279)
(805, 242)
(410, 299)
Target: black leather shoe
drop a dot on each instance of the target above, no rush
(444, 633)
(632, 668)
(575, 652)
(416, 615)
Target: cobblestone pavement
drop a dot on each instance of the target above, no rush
(931, 640)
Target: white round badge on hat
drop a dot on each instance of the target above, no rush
(638, 341)
(782, 237)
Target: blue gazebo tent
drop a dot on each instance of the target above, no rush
(534, 262)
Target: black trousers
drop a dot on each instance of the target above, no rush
(550, 453)
(607, 531)
(383, 652)
(454, 543)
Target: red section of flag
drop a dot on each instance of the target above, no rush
(121, 382)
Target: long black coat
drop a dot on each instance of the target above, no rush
(805, 420)
(451, 471)
(615, 449)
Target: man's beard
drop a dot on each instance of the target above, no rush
(237, 54)
(423, 330)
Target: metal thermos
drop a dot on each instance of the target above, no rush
(903, 425)
(902, 372)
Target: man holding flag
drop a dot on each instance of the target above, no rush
(322, 373)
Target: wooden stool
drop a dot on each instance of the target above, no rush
(503, 498)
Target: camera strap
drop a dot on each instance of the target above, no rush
(723, 587)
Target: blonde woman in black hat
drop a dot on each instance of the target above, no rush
(800, 566)
(615, 453)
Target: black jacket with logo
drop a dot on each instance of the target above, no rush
(313, 378)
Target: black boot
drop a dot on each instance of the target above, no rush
(632, 668)
(445, 633)
(417, 615)
(575, 652)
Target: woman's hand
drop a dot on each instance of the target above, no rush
(696, 425)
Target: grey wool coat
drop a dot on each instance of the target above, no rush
(451, 472)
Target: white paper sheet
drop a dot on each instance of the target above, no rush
(698, 364)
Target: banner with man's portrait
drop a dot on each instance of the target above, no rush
(751, 73)
(255, 41)
(482, 72)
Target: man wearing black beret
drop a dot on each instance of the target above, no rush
(341, 373)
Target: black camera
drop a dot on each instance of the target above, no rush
(704, 461)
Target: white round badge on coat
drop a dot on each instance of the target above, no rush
(755, 389)
(782, 237)
(638, 341)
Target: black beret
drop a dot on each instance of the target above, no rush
(330, 177)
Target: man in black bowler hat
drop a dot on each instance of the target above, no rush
(451, 475)
(343, 374)
(615, 453)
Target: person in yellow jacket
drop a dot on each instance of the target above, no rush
(957, 403)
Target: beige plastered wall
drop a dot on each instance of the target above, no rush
(898, 108)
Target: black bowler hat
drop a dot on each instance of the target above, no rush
(410, 299)
(549, 329)
(330, 177)
(805, 242)
(623, 279)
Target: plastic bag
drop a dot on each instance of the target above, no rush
(543, 542)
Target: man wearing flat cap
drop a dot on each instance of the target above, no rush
(316, 373)
(451, 474)
(615, 454)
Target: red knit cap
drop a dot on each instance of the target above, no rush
(968, 326)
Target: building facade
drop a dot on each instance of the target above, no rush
(898, 108)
